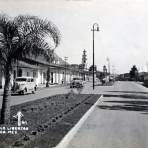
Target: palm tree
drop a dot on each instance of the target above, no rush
(51, 59)
(20, 38)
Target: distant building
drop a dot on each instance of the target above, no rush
(37, 68)
(124, 77)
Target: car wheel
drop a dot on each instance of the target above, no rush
(33, 91)
(24, 91)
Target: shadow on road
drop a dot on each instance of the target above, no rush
(134, 92)
(132, 104)
(126, 96)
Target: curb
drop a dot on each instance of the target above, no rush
(68, 137)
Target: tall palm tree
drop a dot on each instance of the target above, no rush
(51, 59)
(21, 37)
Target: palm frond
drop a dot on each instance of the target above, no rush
(33, 25)
(25, 37)
(8, 31)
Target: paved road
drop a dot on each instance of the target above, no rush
(45, 92)
(17, 99)
(119, 120)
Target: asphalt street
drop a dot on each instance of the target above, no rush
(119, 120)
(45, 92)
(18, 99)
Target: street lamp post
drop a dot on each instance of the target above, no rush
(95, 28)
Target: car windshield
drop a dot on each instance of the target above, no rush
(21, 79)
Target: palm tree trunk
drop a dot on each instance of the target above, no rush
(5, 111)
(48, 77)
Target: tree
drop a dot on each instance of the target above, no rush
(22, 37)
(91, 68)
(51, 59)
(134, 73)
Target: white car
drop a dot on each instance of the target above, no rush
(23, 85)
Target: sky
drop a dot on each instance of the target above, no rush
(123, 24)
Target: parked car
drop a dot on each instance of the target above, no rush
(23, 85)
(76, 83)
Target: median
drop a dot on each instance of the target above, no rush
(46, 121)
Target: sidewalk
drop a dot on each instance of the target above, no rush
(116, 122)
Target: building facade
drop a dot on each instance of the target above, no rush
(60, 71)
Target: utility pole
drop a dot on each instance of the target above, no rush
(65, 58)
(93, 30)
(108, 60)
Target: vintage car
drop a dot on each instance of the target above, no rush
(76, 83)
(23, 85)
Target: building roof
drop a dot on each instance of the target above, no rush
(33, 61)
